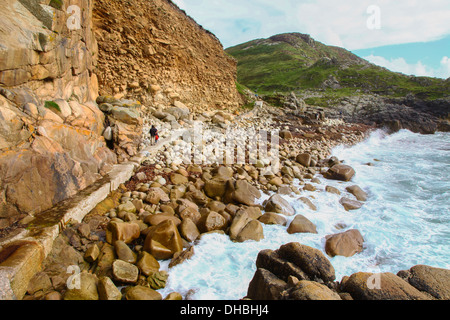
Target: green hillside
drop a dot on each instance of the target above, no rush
(296, 62)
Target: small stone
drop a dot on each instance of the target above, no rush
(157, 280)
(124, 252)
(360, 194)
(272, 218)
(278, 204)
(308, 203)
(54, 295)
(125, 272)
(107, 290)
(142, 293)
(349, 204)
(84, 289)
(147, 263)
(301, 224)
(92, 253)
(331, 189)
(174, 296)
(40, 281)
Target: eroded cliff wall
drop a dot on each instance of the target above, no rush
(50, 126)
(153, 52)
(57, 56)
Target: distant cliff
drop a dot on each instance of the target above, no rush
(341, 83)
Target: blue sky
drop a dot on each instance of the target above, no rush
(408, 36)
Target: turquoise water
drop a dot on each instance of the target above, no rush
(405, 221)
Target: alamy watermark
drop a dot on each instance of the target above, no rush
(374, 20)
(74, 20)
(74, 281)
(235, 146)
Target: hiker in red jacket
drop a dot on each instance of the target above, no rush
(154, 135)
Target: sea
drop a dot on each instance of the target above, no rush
(405, 220)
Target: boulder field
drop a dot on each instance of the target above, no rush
(167, 206)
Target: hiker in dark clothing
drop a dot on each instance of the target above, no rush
(154, 135)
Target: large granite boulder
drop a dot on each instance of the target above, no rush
(278, 204)
(344, 244)
(340, 172)
(381, 286)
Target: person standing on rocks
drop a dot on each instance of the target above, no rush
(154, 135)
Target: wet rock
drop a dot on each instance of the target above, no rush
(245, 193)
(381, 286)
(157, 280)
(312, 261)
(197, 197)
(360, 194)
(265, 286)
(92, 253)
(107, 290)
(125, 272)
(434, 281)
(345, 244)
(124, 252)
(273, 218)
(155, 219)
(211, 221)
(180, 257)
(309, 187)
(278, 204)
(142, 293)
(340, 172)
(304, 159)
(163, 240)
(301, 224)
(350, 204)
(309, 290)
(174, 296)
(331, 189)
(126, 232)
(147, 264)
(252, 231)
(189, 230)
(244, 228)
(157, 250)
(105, 261)
(253, 212)
(84, 288)
(308, 203)
(215, 188)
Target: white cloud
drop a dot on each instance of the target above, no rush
(342, 23)
(417, 69)
(445, 67)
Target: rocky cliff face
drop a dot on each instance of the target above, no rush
(55, 57)
(50, 126)
(153, 52)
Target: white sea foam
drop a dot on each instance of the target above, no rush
(405, 221)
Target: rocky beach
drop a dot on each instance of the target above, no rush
(91, 210)
(159, 215)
